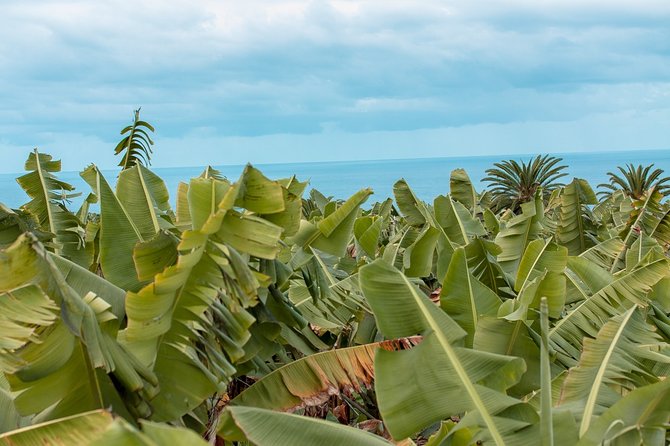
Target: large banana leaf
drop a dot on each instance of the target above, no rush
(540, 256)
(23, 311)
(641, 417)
(462, 190)
(80, 429)
(367, 231)
(413, 209)
(575, 227)
(258, 193)
(482, 263)
(465, 298)
(47, 195)
(267, 428)
(74, 363)
(168, 317)
(540, 274)
(418, 257)
(334, 233)
(99, 428)
(518, 233)
(619, 359)
(83, 281)
(312, 380)
(645, 218)
(407, 382)
(605, 253)
(289, 218)
(145, 197)
(457, 222)
(644, 250)
(511, 338)
(118, 234)
(191, 324)
(588, 316)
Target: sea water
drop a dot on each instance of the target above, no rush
(428, 177)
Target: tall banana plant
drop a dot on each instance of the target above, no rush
(548, 326)
(48, 197)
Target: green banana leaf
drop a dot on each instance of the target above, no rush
(185, 305)
(575, 229)
(407, 382)
(514, 338)
(605, 253)
(457, 222)
(312, 380)
(462, 190)
(100, 428)
(67, 366)
(48, 195)
(334, 233)
(482, 263)
(465, 298)
(619, 359)
(418, 257)
(118, 234)
(367, 230)
(645, 218)
(80, 429)
(518, 233)
(289, 218)
(587, 317)
(641, 417)
(413, 209)
(264, 427)
(145, 197)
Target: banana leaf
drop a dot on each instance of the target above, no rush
(466, 380)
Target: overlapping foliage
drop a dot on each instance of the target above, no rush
(443, 322)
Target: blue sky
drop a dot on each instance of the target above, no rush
(226, 82)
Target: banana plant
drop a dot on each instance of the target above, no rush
(48, 197)
(468, 381)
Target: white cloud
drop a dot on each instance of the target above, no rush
(253, 69)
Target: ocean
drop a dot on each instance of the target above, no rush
(428, 177)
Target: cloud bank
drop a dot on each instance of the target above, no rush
(227, 82)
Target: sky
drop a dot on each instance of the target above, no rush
(230, 82)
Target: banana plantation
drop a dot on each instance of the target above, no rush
(257, 312)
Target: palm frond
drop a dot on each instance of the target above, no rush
(136, 145)
(635, 181)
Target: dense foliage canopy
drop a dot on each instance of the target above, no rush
(254, 313)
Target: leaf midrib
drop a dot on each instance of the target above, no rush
(47, 203)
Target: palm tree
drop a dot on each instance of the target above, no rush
(635, 181)
(512, 183)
